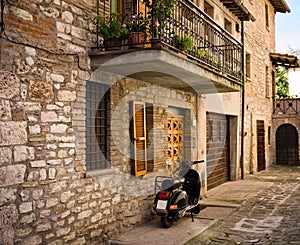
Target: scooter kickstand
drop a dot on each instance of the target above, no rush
(192, 216)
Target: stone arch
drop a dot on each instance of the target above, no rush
(287, 145)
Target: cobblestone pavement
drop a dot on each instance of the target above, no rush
(271, 217)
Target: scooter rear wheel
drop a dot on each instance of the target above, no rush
(196, 209)
(166, 222)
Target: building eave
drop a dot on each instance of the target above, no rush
(238, 9)
(286, 60)
(280, 6)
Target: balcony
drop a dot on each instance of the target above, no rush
(188, 32)
(287, 107)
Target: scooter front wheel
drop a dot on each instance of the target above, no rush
(166, 222)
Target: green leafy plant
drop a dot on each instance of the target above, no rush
(183, 43)
(112, 27)
(139, 23)
(159, 12)
(282, 84)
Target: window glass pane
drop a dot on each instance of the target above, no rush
(97, 125)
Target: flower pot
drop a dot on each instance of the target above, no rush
(155, 42)
(136, 39)
(114, 44)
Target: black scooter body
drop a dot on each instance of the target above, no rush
(178, 196)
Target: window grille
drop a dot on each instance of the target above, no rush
(97, 125)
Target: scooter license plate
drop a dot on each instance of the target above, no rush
(161, 204)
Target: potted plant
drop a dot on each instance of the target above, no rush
(113, 31)
(138, 30)
(185, 43)
(159, 12)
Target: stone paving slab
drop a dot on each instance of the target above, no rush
(152, 233)
(272, 216)
(262, 209)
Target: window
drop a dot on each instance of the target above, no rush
(269, 135)
(219, 130)
(267, 15)
(138, 138)
(228, 25)
(208, 9)
(210, 130)
(97, 125)
(116, 6)
(237, 27)
(208, 33)
(248, 65)
(267, 82)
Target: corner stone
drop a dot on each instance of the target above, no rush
(12, 175)
(13, 133)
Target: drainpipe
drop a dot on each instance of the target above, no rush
(243, 102)
(2, 16)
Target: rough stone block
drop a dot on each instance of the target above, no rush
(12, 175)
(20, 13)
(66, 196)
(52, 173)
(58, 128)
(13, 133)
(27, 219)
(5, 155)
(33, 240)
(41, 91)
(25, 207)
(57, 78)
(78, 32)
(66, 95)
(30, 51)
(51, 202)
(8, 215)
(23, 153)
(84, 214)
(7, 195)
(29, 106)
(49, 116)
(9, 85)
(43, 227)
(38, 164)
(7, 235)
(67, 17)
(59, 186)
(5, 111)
(35, 129)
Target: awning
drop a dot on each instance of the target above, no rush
(286, 60)
(280, 6)
(238, 9)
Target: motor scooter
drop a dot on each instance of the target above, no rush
(177, 195)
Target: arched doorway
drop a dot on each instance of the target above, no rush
(287, 145)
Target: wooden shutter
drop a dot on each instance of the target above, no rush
(139, 138)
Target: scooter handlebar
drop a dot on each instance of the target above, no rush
(196, 162)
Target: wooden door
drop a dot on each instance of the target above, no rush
(261, 158)
(217, 150)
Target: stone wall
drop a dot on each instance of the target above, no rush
(277, 121)
(46, 196)
(259, 43)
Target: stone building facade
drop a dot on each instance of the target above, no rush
(51, 79)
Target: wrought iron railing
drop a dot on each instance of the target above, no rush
(190, 31)
(287, 106)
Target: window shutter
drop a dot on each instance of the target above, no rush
(139, 138)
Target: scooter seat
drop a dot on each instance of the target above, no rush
(171, 184)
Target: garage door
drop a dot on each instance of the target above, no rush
(218, 167)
